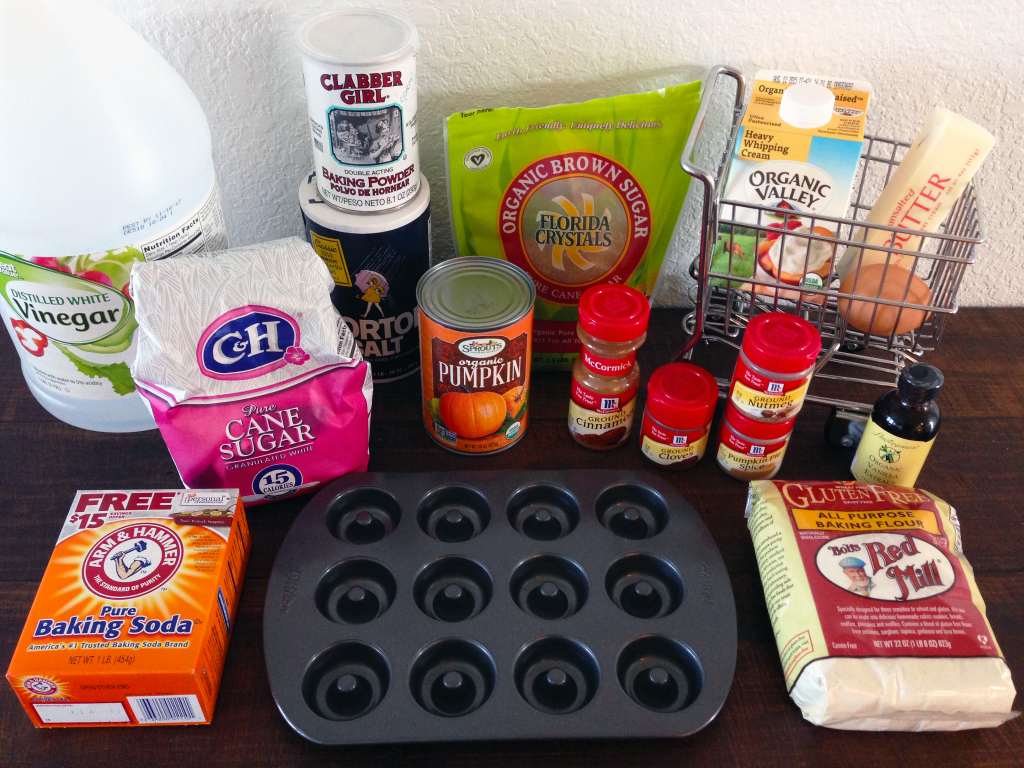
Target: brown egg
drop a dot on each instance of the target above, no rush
(858, 313)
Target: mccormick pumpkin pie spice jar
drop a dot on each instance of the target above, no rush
(681, 400)
(476, 325)
(749, 449)
(774, 367)
(612, 326)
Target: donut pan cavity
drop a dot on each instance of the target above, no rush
(467, 606)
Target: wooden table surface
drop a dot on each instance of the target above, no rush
(975, 465)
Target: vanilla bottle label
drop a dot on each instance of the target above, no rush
(885, 458)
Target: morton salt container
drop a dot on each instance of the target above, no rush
(376, 261)
(359, 69)
(476, 330)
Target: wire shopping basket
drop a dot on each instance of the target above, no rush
(873, 355)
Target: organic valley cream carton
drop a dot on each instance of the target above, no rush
(798, 149)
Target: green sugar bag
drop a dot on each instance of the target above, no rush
(574, 194)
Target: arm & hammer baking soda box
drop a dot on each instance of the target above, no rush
(132, 619)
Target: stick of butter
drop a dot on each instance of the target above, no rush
(938, 166)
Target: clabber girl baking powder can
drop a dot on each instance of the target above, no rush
(476, 327)
(359, 68)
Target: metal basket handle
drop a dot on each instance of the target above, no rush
(709, 219)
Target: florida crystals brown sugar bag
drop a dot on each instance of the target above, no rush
(574, 194)
(879, 622)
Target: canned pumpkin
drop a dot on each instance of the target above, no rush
(476, 325)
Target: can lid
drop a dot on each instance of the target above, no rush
(475, 293)
(368, 223)
(781, 342)
(758, 430)
(682, 395)
(614, 312)
(360, 36)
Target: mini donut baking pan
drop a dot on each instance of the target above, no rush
(498, 605)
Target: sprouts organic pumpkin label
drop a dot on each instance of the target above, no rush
(575, 195)
(478, 390)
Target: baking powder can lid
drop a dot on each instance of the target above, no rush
(357, 36)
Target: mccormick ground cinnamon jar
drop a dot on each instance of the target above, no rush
(681, 400)
(612, 327)
(476, 325)
(774, 367)
(751, 450)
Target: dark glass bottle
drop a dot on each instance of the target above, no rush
(903, 426)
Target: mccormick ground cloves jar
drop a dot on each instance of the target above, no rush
(476, 325)
(612, 326)
(774, 367)
(681, 400)
(751, 450)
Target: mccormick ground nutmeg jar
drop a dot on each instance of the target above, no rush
(612, 326)
(476, 328)
(681, 400)
(774, 367)
(751, 450)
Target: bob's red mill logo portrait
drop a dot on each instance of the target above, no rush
(574, 220)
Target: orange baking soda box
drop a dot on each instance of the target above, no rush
(132, 619)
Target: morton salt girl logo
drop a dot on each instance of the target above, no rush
(574, 220)
(248, 342)
(132, 561)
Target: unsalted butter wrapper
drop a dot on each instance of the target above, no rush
(879, 622)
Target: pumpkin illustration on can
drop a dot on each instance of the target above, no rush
(476, 325)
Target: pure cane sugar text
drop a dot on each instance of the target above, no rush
(133, 616)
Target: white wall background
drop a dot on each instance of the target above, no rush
(240, 59)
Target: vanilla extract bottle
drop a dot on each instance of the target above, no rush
(901, 430)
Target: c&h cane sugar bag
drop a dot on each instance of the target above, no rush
(254, 379)
(879, 622)
(574, 194)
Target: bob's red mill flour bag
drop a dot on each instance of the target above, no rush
(574, 194)
(878, 619)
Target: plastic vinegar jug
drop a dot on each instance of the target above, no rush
(104, 161)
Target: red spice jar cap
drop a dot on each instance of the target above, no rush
(781, 342)
(614, 312)
(682, 396)
(756, 430)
